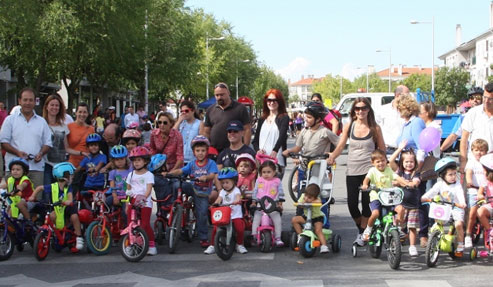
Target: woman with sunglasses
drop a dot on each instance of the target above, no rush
(364, 137)
(188, 124)
(272, 129)
(167, 140)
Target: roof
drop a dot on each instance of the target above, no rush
(307, 81)
(466, 45)
(406, 72)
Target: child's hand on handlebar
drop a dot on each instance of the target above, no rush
(203, 178)
(67, 203)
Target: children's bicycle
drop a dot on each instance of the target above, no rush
(266, 231)
(225, 239)
(162, 217)
(385, 232)
(134, 242)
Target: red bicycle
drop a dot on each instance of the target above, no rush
(162, 216)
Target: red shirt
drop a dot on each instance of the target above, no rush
(28, 191)
(172, 147)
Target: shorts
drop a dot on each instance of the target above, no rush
(472, 199)
(316, 219)
(375, 205)
(412, 218)
(488, 207)
(458, 214)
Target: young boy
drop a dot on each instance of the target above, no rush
(21, 188)
(311, 196)
(475, 178)
(204, 171)
(62, 191)
(381, 176)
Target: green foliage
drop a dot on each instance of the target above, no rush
(416, 81)
(450, 85)
(267, 80)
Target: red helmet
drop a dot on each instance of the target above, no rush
(85, 216)
(140, 151)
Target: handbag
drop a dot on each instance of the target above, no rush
(428, 168)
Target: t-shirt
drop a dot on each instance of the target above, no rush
(195, 170)
(77, 140)
(229, 198)
(92, 161)
(479, 126)
(314, 143)
(228, 156)
(57, 153)
(478, 176)
(119, 176)
(246, 183)
(448, 192)
(100, 122)
(188, 132)
(381, 179)
(138, 184)
(316, 210)
(411, 195)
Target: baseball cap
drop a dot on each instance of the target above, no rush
(235, 126)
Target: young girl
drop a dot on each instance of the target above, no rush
(409, 180)
(268, 185)
(118, 175)
(486, 191)
(246, 166)
(139, 183)
(230, 195)
(131, 139)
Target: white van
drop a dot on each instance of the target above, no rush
(377, 100)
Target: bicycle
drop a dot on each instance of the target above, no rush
(265, 232)
(488, 234)
(385, 231)
(225, 239)
(162, 217)
(134, 242)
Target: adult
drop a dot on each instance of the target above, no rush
(110, 116)
(54, 114)
(167, 140)
(163, 107)
(122, 117)
(272, 128)
(227, 157)
(298, 122)
(364, 136)
(79, 130)
(219, 115)
(475, 98)
(330, 119)
(389, 119)
(27, 135)
(188, 124)
(131, 118)
(142, 113)
(428, 113)
(477, 124)
(3, 115)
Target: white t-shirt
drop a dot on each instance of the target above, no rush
(448, 192)
(390, 122)
(479, 126)
(229, 198)
(478, 176)
(129, 119)
(138, 183)
(269, 134)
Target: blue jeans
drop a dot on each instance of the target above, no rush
(201, 209)
(48, 175)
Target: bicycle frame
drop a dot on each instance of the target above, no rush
(63, 237)
(106, 216)
(133, 223)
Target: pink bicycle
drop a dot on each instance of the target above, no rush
(134, 243)
(266, 231)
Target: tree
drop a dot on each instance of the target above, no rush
(267, 80)
(450, 86)
(416, 81)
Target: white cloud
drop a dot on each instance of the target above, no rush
(349, 71)
(294, 69)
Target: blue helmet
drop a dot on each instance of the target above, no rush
(444, 163)
(118, 151)
(157, 161)
(60, 169)
(228, 173)
(20, 161)
(93, 138)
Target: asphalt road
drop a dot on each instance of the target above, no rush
(283, 267)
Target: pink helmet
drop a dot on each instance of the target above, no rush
(487, 161)
(246, 156)
(140, 151)
(133, 125)
(131, 134)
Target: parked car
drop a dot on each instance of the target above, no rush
(377, 100)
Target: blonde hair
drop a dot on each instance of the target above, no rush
(480, 144)
(407, 106)
(166, 114)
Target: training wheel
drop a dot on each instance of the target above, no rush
(354, 250)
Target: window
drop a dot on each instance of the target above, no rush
(387, 100)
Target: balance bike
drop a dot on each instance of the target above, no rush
(225, 239)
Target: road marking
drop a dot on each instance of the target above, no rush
(421, 283)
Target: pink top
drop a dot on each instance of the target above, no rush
(172, 148)
(246, 183)
(489, 191)
(268, 188)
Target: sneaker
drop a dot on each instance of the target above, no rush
(204, 243)
(324, 249)
(413, 251)
(460, 247)
(423, 241)
(279, 242)
(359, 240)
(152, 251)
(241, 249)
(79, 243)
(468, 242)
(210, 250)
(366, 234)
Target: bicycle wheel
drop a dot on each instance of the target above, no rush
(376, 247)
(191, 223)
(41, 245)
(306, 249)
(159, 231)
(265, 244)
(476, 233)
(336, 243)
(137, 251)
(293, 184)
(433, 249)
(175, 228)
(98, 238)
(6, 244)
(394, 251)
(224, 249)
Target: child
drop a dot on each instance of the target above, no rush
(21, 188)
(230, 195)
(485, 191)
(146, 133)
(139, 183)
(204, 170)
(92, 164)
(162, 185)
(118, 175)
(100, 123)
(271, 186)
(381, 176)
(246, 166)
(474, 179)
(448, 189)
(409, 180)
(131, 139)
(311, 196)
(63, 173)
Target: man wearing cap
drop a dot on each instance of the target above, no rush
(227, 157)
(221, 114)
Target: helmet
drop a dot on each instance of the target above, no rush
(85, 216)
(157, 161)
(487, 161)
(315, 109)
(93, 138)
(118, 151)
(131, 134)
(199, 139)
(60, 169)
(475, 91)
(228, 173)
(444, 163)
(22, 162)
(140, 151)
(246, 156)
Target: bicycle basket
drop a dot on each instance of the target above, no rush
(390, 196)
(221, 215)
(440, 211)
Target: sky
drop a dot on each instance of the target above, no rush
(318, 37)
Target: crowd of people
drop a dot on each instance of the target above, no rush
(51, 152)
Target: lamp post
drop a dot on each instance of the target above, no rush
(237, 88)
(432, 22)
(390, 64)
(146, 77)
(207, 39)
(367, 71)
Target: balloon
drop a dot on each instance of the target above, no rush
(429, 139)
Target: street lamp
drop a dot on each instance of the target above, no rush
(367, 71)
(237, 88)
(207, 39)
(432, 22)
(390, 63)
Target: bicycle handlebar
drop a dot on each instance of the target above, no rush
(315, 157)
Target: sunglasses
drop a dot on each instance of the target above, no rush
(233, 132)
(365, 108)
(222, 86)
(185, 111)
(271, 100)
(476, 97)
(162, 123)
